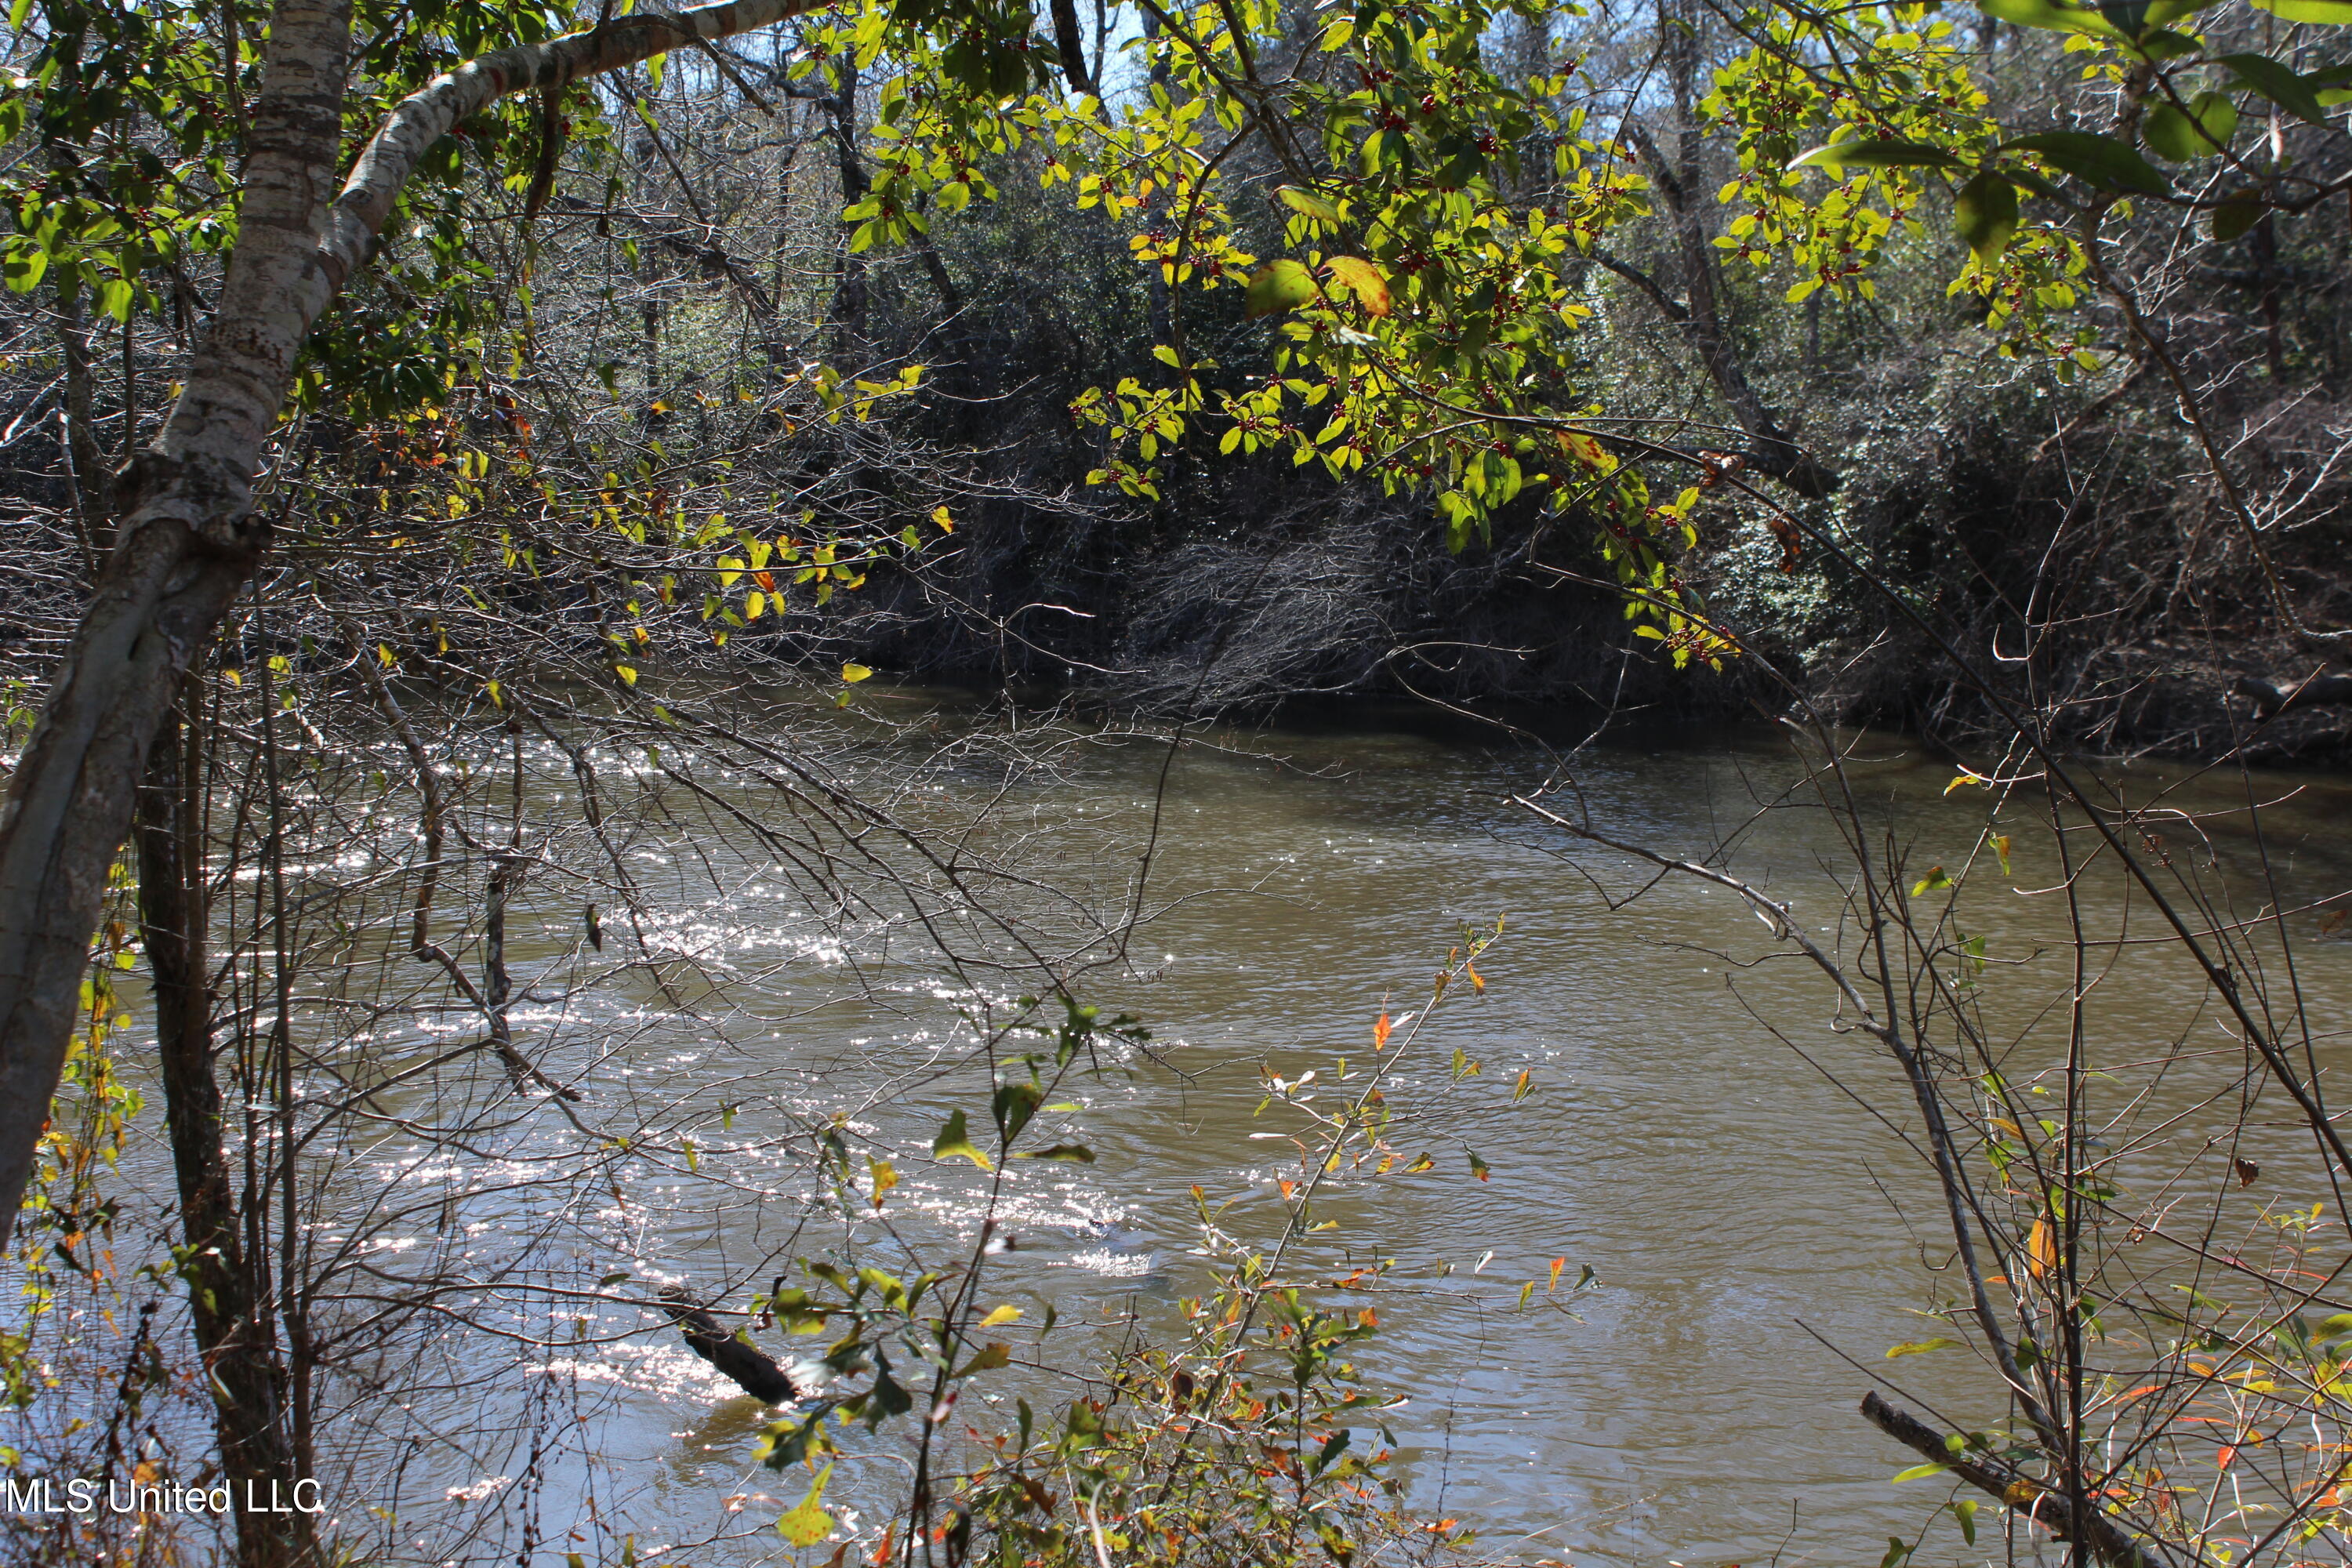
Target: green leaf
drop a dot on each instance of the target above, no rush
(1279, 285)
(1965, 1511)
(2213, 120)
(1012, 1105)
(1871, 152)
(2100, 161)
(1919, 1472)
(954, 1141)
(2326, 13)
(1308, 202)
(1985, 214)
(2239, 212)
(1077, 1153)
(2171, 134)
(890, 1396)
(2164, 44)
(2056, 19)
(2279, 84)
(807, 1522)
(23, 268)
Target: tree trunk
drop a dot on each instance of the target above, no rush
(849, 292)
(1679, 182)
(187, 541)
(232, 1332)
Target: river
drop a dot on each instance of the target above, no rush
(1757, 1241)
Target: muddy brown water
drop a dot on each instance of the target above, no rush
(1758, 1241)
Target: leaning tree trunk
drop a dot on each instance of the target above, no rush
(187, 541)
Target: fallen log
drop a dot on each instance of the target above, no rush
(753, 1369)
(2021, 1494)
(2312, 691)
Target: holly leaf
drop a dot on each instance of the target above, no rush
(1371, 290)
(1985, 214)
(1872, 152)
(2054, 17)
(2239, 212)
(2326, 13)
(2201, 131)
(1300, 200)
(1279, 285)
(2100, 161)
(2279, 83)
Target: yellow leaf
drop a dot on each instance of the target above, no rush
(1308, 202)
(940, 515)
(808, 1523)
(1371, 289)
(854, 673)
(628, 676)
(1919, 1347)
(991, 1355)
(755, 606)
(1587, 450)
(1967, 778)
(885, 1175)
(1002, 1316)
(383, 652)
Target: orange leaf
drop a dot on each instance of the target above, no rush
(2040, 1249)
(1381, 1034)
